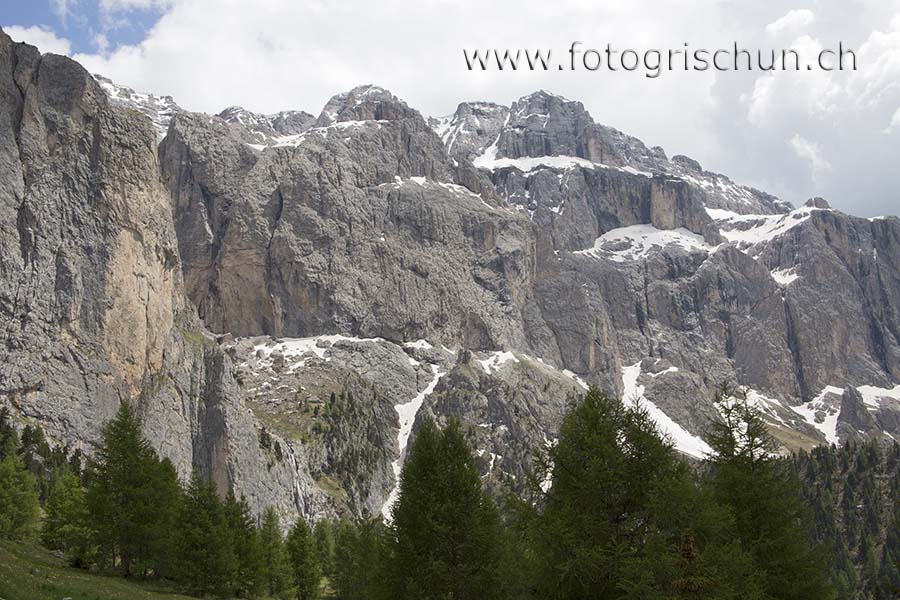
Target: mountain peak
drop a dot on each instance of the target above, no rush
(287, 122)
(544, 95)
(364, 103)
(817, 202)
(239, 114)
(160, 109)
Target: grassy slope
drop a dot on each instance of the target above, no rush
(28, 572)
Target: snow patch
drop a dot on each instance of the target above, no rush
(683, 440)
(785, 276)
(406, 414)
(496, 360)
(633, 171)
(297, 350)
(574, 377)
(636, 242)
(820, 415)
(769, 407)
(762, 229)
(489, 161)
(874, 396)
(669, 370)
(418, 344)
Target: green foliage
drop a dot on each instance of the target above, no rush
(19, 508)
(323, 533)
(359, 560)
(854, 494)
(623, 517)
(446, 531)
(206, 560)
(67, 521)
(248, 578)
(276, 568)
(132, 498)
(763, 493)
(9, 439)
(304, 561)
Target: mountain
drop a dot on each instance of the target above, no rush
(286, 296)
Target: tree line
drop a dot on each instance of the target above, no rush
(126, 512)
(624, 517)
(854, 495)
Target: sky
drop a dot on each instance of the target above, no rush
(793, 134)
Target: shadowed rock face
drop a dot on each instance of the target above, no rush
(486, 265)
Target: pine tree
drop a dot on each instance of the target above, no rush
(323, 533)
(131, 497)
(248, 577)
(276, 569)
(305, 567)
(359, 560)
(19, 508)
(623, 517)
(66, 525)
(206, 562)
(163, 493)
(446, 530)
(9, 439)
(763, 493)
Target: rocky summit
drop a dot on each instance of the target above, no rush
(284, 297)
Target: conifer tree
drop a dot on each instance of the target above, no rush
(763, 494)
(359, 560)
(19, 508)
(206, 562)
(131, 497)
(276, 569)
(164, 494)
(323, 533)
(446, 531)
(305, 567)
(248, 576)
(66, 524)
(9, 439)
(624, 519)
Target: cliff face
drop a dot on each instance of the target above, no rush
(286, 295)
(92, 308)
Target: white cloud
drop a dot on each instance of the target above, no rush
(812, 154)
(62, 8)
(816, 93)
(895, 122)
(44, 39)
(794, 20)
(111, 6)
(844, 112)
(101, 42)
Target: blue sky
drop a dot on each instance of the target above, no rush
(81, 22)
(796, 135)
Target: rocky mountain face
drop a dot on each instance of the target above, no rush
(288, 295)
(160, 109)
(92, 307)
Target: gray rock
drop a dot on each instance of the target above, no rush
(92, 307)
(267, 129)
(854, 418)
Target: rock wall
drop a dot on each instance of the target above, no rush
(92, 309)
